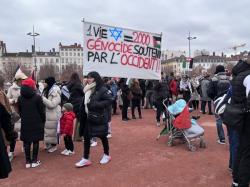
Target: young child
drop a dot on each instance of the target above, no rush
(66, 128)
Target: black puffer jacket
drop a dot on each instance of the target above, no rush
(5, 167)
(240, 71)
(100, 101)
(161, 92)
(32, 113)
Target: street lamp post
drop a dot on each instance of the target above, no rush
(189, 39)
(34, 35)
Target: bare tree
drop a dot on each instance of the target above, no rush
(212, 69)
(197, 70)
(69, 70)
(230, 67)
(47, 71)
(9, 70)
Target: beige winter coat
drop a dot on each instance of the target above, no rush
(53, 113)
(13, 94)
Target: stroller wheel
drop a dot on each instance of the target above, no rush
(192, 148)
(170, 143)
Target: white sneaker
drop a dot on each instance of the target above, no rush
(109, 136)
(52, 149)
(11, 156)
(105, 159)
(64, 151)
(27, 165)
(36, 164)
(68, 153)
(83, 162)
(158, 124)
(71, 152)
(93, 143)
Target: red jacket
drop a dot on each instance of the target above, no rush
(173, 87)
(67, 123)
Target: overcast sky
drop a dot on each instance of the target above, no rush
(217, 24)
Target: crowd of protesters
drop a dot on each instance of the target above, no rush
(81, 110)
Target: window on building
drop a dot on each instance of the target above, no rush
(62, 60)
(66, 60)
(41, 60)
(70, 54)
(74, 54)
(66, 53)
(62, 53)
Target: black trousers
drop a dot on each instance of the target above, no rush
(12, 145)
(195, 104)
(125, 108)
(203, 106)
(241, 172)
(27, 149)
(136, 103)
(160, 109)
(68, 142)
(105, 144)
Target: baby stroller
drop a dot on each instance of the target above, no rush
(181, 126)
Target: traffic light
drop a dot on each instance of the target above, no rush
(191, 62)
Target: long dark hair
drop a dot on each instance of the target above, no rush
(74, 78)
(50, 81)
(97, 78)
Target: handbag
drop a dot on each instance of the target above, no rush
(95, 118)
(234, 116)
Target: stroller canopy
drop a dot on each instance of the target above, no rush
(177, 107)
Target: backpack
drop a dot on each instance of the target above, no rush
(221, 101)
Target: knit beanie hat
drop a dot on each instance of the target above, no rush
(68, 107)
(219, 69)
(30, 83)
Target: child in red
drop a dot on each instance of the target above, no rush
(66, 128)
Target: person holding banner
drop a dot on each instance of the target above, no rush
(94, 117)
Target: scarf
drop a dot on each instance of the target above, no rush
(88, 90)
(5, 101)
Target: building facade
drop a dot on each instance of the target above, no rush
(207, 61)
(170, 54)
(70, 54)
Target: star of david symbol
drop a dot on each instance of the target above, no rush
(115, 33)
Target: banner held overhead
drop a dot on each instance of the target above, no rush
(119, 52)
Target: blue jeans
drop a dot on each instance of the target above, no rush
(220, 130)
(234, 144)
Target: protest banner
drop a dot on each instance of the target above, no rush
(119, 52)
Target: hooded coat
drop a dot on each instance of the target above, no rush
(32, 113)
(53, 113)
